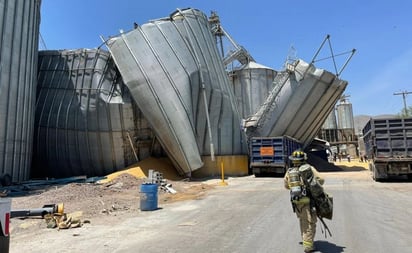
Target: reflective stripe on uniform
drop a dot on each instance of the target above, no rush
(308, 244)
(302, 200)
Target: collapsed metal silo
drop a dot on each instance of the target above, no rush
(251, 84)
(178, 80)
(86, 122)
(19, 30)
(299, 103)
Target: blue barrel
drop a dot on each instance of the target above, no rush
(148, 197)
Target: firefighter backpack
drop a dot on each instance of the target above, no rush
(323, 201)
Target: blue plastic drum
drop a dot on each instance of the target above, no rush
(148, 197)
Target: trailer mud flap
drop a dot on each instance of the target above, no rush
(378, 171)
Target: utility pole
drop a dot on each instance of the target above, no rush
(404, 93)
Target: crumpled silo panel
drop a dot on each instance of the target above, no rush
(178, 80)
(19, 31)
(84, 115)
(298, 105)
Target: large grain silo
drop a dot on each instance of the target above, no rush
(86, 122)
(251, 84)
(330, 122)
(346, 124)
(19, 31)
(345, 114)
(329, 130)
(177, 78)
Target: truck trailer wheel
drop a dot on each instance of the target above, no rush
(5, 209)
(4, 243)
(258, 174)
(375, 174)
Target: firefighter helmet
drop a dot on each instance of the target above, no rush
(298, 156)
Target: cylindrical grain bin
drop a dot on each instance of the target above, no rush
(19, 34)
(330, 122)
(345, 115)
(148, 197)
(251, 84)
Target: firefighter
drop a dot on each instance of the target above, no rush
(300, 196)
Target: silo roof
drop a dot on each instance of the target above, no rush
(255, 65)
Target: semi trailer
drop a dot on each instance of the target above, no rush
(388, 146)
(271, 154)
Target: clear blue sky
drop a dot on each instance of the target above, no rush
(380, 31)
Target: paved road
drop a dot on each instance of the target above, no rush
(251, 215)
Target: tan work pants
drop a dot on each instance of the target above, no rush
(307, 219)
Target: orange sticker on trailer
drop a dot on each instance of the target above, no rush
(266, 151)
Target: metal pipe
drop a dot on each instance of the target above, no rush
(347, 61)
(131, 144)
(320, 48)
(46, 209)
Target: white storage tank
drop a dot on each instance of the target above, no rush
(19, 35)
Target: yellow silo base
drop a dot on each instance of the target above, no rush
(235, 165)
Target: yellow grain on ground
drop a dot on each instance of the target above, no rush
(352, 164)
(141, 169)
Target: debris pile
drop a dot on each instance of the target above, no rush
(156, 177)
(63, 221)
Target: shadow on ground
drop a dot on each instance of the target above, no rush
(325, 166)
(328, 247)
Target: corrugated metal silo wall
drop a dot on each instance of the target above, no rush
(330, 122)
(19, 31)
(251, 87)
(329, 130)
(86, 121)
(170, 65)
(301, 104)
(345, 116)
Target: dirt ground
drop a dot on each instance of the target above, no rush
(104, 202)
(117, 198)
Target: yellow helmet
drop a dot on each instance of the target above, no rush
(298, 156)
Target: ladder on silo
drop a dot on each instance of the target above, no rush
(260, 117)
